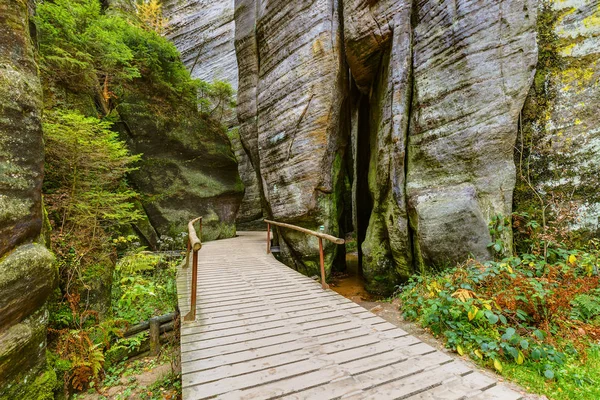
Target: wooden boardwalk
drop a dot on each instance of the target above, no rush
(264, 331)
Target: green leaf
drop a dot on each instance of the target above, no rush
(549, 374)
(535, 355)
(508, 334)
(524, 344)
(539, 334)
(492, 318)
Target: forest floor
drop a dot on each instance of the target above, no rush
(143, 377)
(351, 286)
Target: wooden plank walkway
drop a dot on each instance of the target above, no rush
(264, 331)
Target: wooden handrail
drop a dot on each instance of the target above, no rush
(194, 244)
(320, 235)
(325, 236)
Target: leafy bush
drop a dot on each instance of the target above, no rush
(517, 310)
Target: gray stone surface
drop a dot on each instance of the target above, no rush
(204, 33)
(473, 66)
(27, 273)
(292, 84)
(561, 117)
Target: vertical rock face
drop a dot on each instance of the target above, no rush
(187, 169)
(473, 63)
(560, 118)
(431, 110)
(204, 33)
(292, 85)
(27, 274)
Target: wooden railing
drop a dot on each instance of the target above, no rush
(194, 245)
(319, 235)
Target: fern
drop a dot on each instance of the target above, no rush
(586, 307)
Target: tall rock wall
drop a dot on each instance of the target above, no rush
(27, 273)
(204, 33)
(292, 84)
(558, 151)
(423, 127)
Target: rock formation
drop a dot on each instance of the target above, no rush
(27, 273)
(188, 168)
(204, 32)
(559, 146)
(430, 110)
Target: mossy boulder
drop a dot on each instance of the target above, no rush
(23, 373)
(21, 147)
(188, 168)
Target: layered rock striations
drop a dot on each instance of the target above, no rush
(27, 273)
(290, 100)
(473, 65)
(204, 33)
(423, 127)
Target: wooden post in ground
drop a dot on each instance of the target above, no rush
(154, 336)
(268, 238)
(191, 316)
(322, 262)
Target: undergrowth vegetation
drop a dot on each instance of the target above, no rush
(90, 56)
(533, 316)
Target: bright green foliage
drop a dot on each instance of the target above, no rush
(519, 311)
(88, 51)
(146, 287)
(85, 168)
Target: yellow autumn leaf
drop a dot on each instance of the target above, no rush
(498, 365)
(487, 306)
(510, 270)
(572, 259)
(520, 358)
(478, 354)
(463, 294)
(473, 313)
(460, 350)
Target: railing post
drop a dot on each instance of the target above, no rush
(268, 238)
(322, 261)
(191, 316)
(187, 254)
(154, 336)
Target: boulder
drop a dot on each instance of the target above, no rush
(188, 168)
(27, 272)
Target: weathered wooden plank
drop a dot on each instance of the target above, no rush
(264, 331)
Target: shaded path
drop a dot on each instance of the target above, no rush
(265, 331)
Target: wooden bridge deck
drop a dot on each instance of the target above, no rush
(264, 331)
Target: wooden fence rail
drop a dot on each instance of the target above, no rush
(322, 236)
(194, 245)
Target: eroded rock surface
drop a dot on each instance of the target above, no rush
(204, 33)
(292, 85)
(473, 64)
(431, 112)
(188, 168)
(27, 274)
(560, 141)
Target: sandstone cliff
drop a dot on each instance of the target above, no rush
(27, 274)
(423, 126)
(204, 32)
